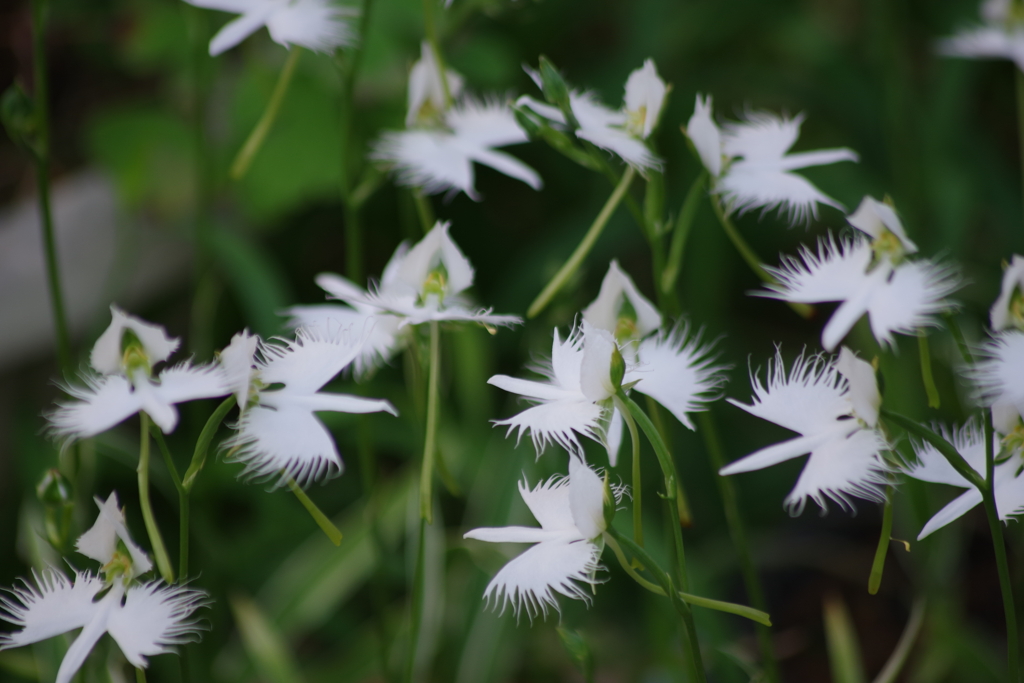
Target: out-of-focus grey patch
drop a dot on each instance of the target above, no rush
(104, 257)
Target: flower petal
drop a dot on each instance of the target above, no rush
(549, 503)
(874, 217)
(1013, 281)
(50, 607)
(705, 136)
(911, 298)
(281, 442)
(645, 95)
(513, 534)
(154, 618)
(954, 510)
(773, 455)
(618, 288)
(586, 499)
(100, 541)
(240, 28)
(107, 352)
(557, 421)
(309, 362)
(863, 393)
(932, 466)
(102, 403)
(317, 25)
(840, 468)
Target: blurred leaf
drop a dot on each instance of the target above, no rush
(266, 646)
(843, 648)
(20, 664)
(578, 650)
(255, 277)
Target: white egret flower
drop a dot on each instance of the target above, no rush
(318, 25)
(125, 355)
(278, 433)
(567, 548)
(443, 138)
(1008, 309)
(622, 131)
(833, 405)
(750, 165)
(1001, 36)
(144, 619)
(867, 276)
(969, 441)
(997, 375)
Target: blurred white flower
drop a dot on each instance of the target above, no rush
(833, 405)
(143, 619)
(996, 376)
(568, 543)
(1001, 36)
(750, 167)
(867, 276)
(442, 140)
(622, 131)
(1008, 309)
(278, 388)
(125, 355)
(318, 25)
(969, 441)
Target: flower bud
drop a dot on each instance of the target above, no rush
(618, 369)
(555, 90)
(526, 122)
(17, 111)
(609, 502)
(55, 493)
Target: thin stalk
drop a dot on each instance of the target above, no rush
(322, 521)
(738, 533)
(668, 469)
(682, 502)
(42, 98)
(926, 370)
(140, 675)
(252, 145)
(884, 539)
(163, 563)
(424, 211)
(945, 448)
(204, 441)
(430, 28)
(183, 501)
(687, 213)
(1002, 565)
(430, 437)
(745, 250)
(638, 522)
(418, 591)
(570, 266)
(958, 337)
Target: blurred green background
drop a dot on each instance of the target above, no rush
(130, 79)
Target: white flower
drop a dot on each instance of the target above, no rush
(621, 132)
(568, 543)
(318, 25)
(437, 151)
(672, 367)
(969, 441)
(143, 619)
(279, 434)
(125, 353)
(867, 276)
(750, 167)
(997, 377)
(425, 283)
(1006, 311)
(1000, 37)
(833, 405)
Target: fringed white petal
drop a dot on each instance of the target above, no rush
(102, 403)
(752, 185)
(761, 136)
(154, 618)
(916, 293)
(485, 123)
(997, 374)
(308, 362)
(678, 371)
(834, 273)
(549, 503)
(317, 25)
(428, 159)
(275, 443)
(932, 466)
(48, 607)
(558, 422)
(842, 468)
(240, 28)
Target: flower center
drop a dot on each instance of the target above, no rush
(887, 246)
(635, 121)
(133, 355)
(435, 285)
(1016, 309)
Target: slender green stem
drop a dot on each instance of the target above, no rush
(570, 266)
(322, 521)
(163, 563)
(682, 502)
(745, 250)
(884, 539)
(183, 501)
(204, 441)
(1002, 565)
(682, 231)
(430, 437)
(958, 337)
(947, 449)
(638, 522)
(42, 115)
(140, 675)
(424, 211)
(418, 594)
(161, 443)
(899, 656)
(926, 369)
(430, 28)
(738, 533)
(627, 405)
(252, 145)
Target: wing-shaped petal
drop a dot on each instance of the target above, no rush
(835, 273)
(317, 25)
(542, 391)
(490, 123)
(773, 455)
(557, 421)
(633, 151)
(310, 361)
(842, 467)
(286, 441)
(154, 618)
(911, 298)
(514, 534)
(746, 186)
(185, 382)
(52, 606)
(932, 466)
(505, 163)
(997, 374)
(101, 404)
(428, 160)
(323, 402)
(549, 503)
(954, 510)
(237, 30)
(761, 136)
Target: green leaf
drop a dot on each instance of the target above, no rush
(843, 648)
(264, 643)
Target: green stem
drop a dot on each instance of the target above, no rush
(140, 675)
(1002, 565)
(424, 211)
(430, 438)
(183, 501)
(668, 469)
(638, 522)
(926, 370)
(682, 502)
(252, 145)
(803, 310)
(738, 533)
(570, 266)
(204, 441)
(884, 539)
(947, 449)
(163, 563)
(682, 231)
(418, 592)
(958, 337)
(42, 97)
(325, 524)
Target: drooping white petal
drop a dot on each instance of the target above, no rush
(318, 25)
(617, 288)
(48, 607)
(557, 421)
(956, 509)
(645, 95)
(863, 393)
(100, 541)
(185, 382)
(874, 217)
(586, 499)
(309, 362)
(997, 374)
(677, 371)
(840, 468)
(705, 136)
(154, 618)
(1013, 282)
(595, 371)
(107, 352)
(237, 30)
(90, 634)
(776, 453)
(986, 42)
